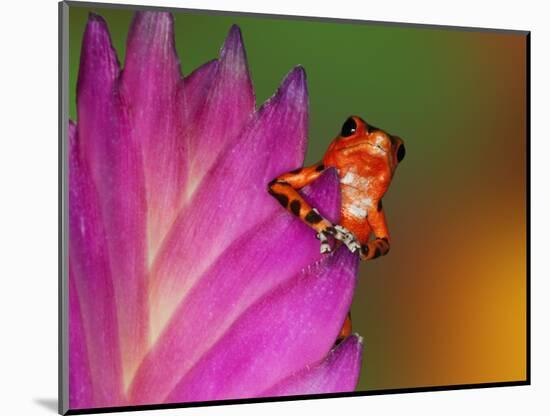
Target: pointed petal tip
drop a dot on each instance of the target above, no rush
(234, 37)
(360, 339)
(353, 342)
(99, 63)
(292, 93)
(94, 17)
(235, 29)
(296, 75)
(299, 68)
(207, 68)
(294, 86)
(232, 53)
(96, 25)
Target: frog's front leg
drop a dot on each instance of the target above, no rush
(380, 246)
(285, 188)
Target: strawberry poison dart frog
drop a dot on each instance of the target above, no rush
(365, 158)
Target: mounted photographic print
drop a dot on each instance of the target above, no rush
(266, 208)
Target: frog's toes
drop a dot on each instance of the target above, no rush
(325, 246)
(346, 236)
(353, 246)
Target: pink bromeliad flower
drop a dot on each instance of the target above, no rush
(188, 281)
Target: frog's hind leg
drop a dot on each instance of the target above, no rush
(346, 329)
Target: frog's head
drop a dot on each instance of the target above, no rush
(371, 143)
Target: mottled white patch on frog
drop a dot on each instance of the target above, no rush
(367, 201)
(354, 180)
(348, 178)
(354, 189)
(357, 211)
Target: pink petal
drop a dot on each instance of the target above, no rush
(233, 197)
(80, 379)
(98, 60)
(228, 106)
(194, 90)
(117, 172)
(192, 95)
(337, 373)
(291, 327)
(92, 290)
(150, 90)
(249, 268)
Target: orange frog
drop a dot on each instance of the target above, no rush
(365, 158)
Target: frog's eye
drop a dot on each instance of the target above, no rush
(400, 152)
(349, 127)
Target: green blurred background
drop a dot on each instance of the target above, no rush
(448, 304)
